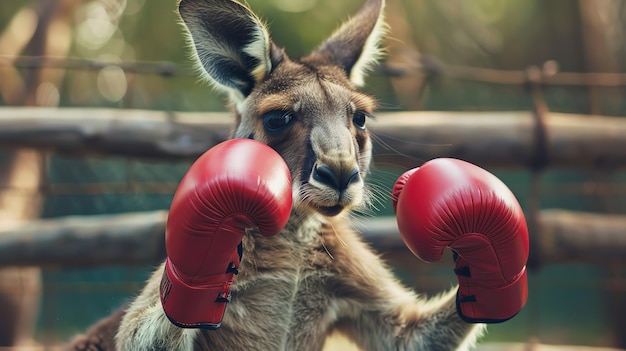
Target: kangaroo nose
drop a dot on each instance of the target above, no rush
(340, 181)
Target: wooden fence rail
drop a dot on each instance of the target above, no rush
(137, 239)
(405, 139)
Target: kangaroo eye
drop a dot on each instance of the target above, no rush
(359, 119)
(276, 121)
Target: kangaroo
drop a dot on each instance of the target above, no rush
(317, 276)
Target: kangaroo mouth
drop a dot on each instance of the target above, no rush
(330, 211)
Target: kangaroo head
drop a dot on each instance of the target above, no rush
(309, 110)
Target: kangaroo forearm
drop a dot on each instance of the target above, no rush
(414, 325)
(145, 327)
(441, 328)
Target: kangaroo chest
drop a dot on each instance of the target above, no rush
(280, 298)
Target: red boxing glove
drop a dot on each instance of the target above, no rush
(236, 186)
(452, 203)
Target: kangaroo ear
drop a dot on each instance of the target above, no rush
(354, 46)
(231, 44)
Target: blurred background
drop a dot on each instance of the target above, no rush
(95, 58)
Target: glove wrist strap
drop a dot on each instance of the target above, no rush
(188, 306)
(476, 304)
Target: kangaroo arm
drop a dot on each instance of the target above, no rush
(145, 327)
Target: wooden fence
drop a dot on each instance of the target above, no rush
(406, 139)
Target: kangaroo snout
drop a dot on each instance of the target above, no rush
(336, 179)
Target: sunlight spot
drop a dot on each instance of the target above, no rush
(96, 27)
(18, 32)
(47, 95)
(112, 83)
(295, 6)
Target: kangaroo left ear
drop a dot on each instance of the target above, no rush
(355, 45)
(231, 44)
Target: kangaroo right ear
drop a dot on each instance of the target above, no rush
(231, 44)
(354, 46)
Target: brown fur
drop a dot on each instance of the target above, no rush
(100, 337)
(317, 275)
